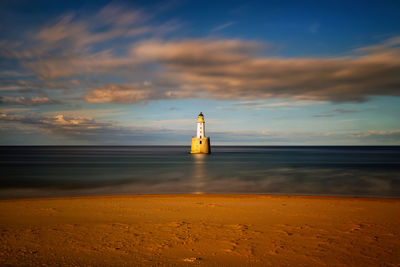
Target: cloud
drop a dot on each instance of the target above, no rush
(14, 110)
(344, 111)
(335, 112)
(108, 53)
(373, 133)
(369, 137)
(280, 104)
(110, 22)
(6, 73)
(66, 126)
(132, 93)
(66, 46)
(27, 101)
(223, 26)
(74, 130)
(83, 130)
(119, 93)
(385, 46)
(196, 52)
(384, 137)
(87, 130)
(98, 112)
(231, 69)
(326, 115)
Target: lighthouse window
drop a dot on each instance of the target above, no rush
(200, 142)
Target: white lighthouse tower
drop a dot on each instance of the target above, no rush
(201, 126)
(200, 143)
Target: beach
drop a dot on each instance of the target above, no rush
(200, 230)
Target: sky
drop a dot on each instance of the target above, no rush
(139, 72)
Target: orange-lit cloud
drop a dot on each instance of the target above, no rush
(64, 47)
(231, 69)
(82, 127)
(132, 93)
(62, 55)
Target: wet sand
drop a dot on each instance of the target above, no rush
(200, 230)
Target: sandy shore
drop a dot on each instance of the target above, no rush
(205, 230)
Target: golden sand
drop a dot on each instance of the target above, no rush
(200, 230)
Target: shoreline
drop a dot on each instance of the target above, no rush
(328, 196)
(200, 229)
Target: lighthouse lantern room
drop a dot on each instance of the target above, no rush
(200, 143)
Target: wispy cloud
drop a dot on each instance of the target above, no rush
(344, 111)
(68, 126)
(88, 130)
(335, 112)
(73, 128)
(388, 44)
(391, 137)
(133, 93)
(96, 112)
(66, 47)
(85, 130)
(27, 101)
(256, 104)
(326, 115)
(223, 26)
(373, 133)
(15, 110)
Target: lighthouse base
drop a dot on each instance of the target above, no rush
(200, 145)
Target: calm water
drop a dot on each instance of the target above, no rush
(70, 171)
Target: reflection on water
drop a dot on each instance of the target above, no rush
(199, 172)
(67, 171)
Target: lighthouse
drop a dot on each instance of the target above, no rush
(200, 143)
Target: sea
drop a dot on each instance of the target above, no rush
(55, 171)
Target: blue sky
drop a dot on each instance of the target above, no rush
(139, 72)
